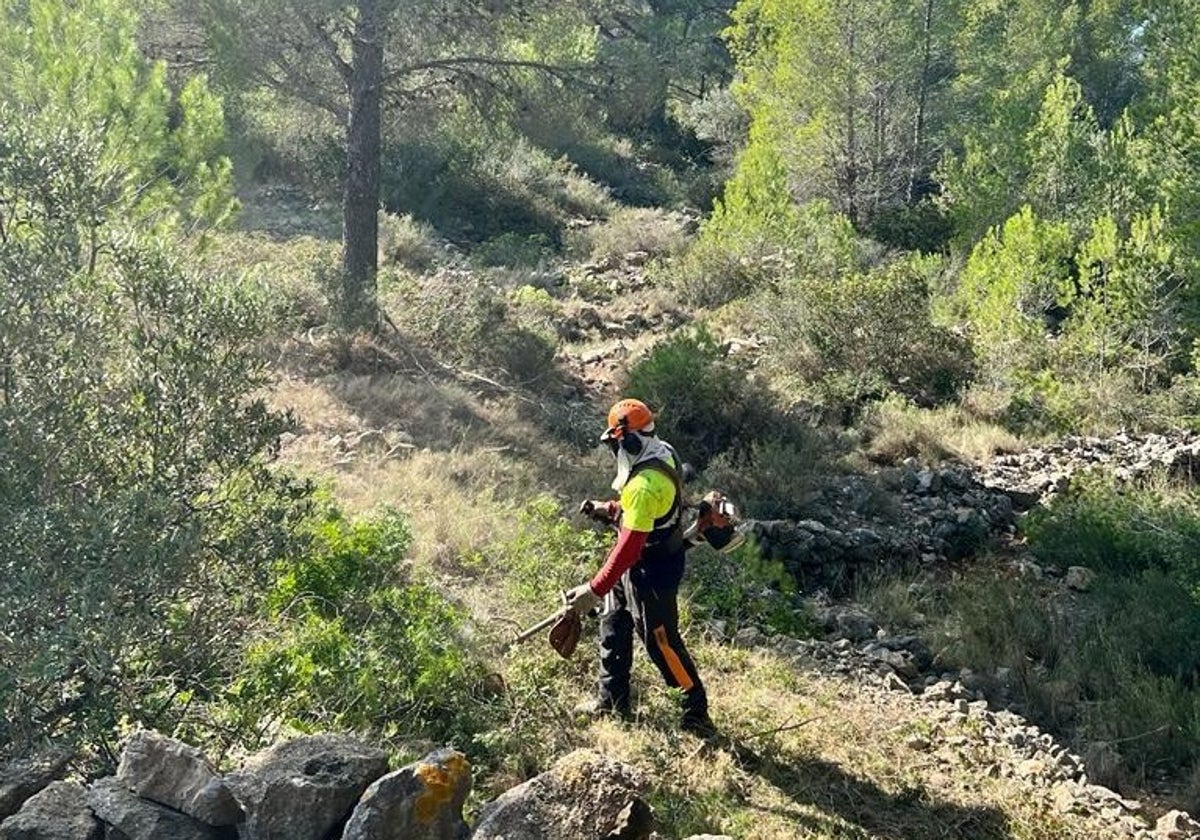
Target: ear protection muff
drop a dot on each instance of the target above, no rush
(632, 444)
(630, 441)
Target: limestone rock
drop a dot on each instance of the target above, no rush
(748, 637)
(1102, 763)
(848, 623)
(59, 812)
(422, 801)
(139, 819)
(171, 773)
(585, 795)
(304, 788)
(1176, 825)
(1080, 578)
(22, 779)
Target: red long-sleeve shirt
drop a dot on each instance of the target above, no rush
(621, 559)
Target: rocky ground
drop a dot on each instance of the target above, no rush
(936, 515)
(953, 730)
(316, 788)
(941, 515)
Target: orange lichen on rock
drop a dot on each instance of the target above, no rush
(441, 781)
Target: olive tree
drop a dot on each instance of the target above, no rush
(134, 496)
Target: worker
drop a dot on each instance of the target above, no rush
(639, 582)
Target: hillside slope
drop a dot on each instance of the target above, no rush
(819, 743)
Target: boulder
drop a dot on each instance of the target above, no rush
(139, 819)
(21, 779)
(900, 661)
(171, 773)
(849, 623)
(304, 788)
(422, 801)
(585, 796)
(59, 812)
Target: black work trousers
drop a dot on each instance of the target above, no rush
(650, 608)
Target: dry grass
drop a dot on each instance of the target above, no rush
(811, 756)
(898, 431)
(456, 465)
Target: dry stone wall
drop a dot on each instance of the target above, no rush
(915, 514)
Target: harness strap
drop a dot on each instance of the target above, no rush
(668, 528)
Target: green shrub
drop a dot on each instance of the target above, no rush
(476, 180)
(1002, 624)
(278, 138)
(547, 554)
(299, 272)
(756, 237)
(897, 429)
(1122, 530)
(134, 490)
(467, 322)
(354, 641)
(1119, 666)
(629, 230)
(925, 227)
(772, 479)
(515, 249)
(746, 589)
(406, 242)
(856, 338)
(705, 404)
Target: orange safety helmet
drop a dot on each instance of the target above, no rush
(628, 416)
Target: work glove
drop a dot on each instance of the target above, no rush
(600, 511)
(582, 600)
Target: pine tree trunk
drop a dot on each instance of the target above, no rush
(360, 208)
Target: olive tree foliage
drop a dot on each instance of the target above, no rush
(134, 496)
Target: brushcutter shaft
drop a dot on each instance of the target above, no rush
(537, 628)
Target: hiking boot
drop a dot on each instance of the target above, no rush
(596, 708)
(699, 724)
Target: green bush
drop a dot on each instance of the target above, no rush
(746, 589)
(476, 180)
(466, 321)
(1120, 666)
(1122, 530)
(299, 272)
(515, 249)
(847, 340)
(354, 641)
(627, 231)
(546, 555)
(134, 490)
(756, 237)
(406, 242)
(772, 479)
(1000, 624)
(705, 404)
